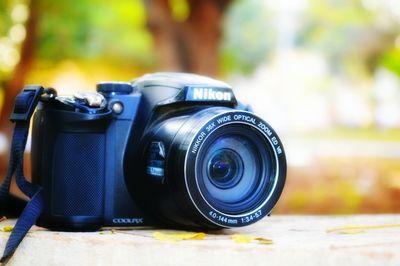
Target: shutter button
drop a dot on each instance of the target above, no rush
(91, 99)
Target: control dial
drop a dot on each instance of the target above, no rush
(114, 87)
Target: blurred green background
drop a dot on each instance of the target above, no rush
(325, 74)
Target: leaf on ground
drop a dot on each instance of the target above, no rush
(245, 239)
(263, 241)
(7, 228)
(360, 228)
(351, 231)
(242, 239)
(107, 232)
(178, 236)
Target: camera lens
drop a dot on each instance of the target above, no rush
(225, 168)
(222, 168)
(232, 168)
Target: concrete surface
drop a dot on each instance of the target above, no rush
(297, 240)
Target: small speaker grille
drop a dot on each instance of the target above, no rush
(78, 175)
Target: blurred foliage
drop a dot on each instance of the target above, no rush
(343, 186)
(351, 36)
(180, 9)
(391, 60)
(346, 32)
(13, 15)
(96, 32)
(5, 17)
(95, 29)
(372, 134)
(249, 37)
(336, 29)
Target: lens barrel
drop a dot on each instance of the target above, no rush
(221, 168)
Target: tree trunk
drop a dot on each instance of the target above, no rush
(191, 45)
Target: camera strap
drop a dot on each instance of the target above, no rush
(25, 104)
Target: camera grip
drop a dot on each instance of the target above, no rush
(68, 160)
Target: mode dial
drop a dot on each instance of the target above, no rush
(115, 87)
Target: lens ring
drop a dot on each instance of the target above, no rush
(274, 179)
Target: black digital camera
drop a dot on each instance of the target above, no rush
(168, 149)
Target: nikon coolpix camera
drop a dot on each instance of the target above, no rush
(168, 149)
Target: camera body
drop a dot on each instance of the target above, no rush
(136, 159)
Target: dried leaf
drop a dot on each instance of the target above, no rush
(242, 239)
(178, 236)
(359, 229)
(107, 232)
(7, 228)
(245, 239)
(351, 231)
(263, 241)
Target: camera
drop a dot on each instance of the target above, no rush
(167, 149)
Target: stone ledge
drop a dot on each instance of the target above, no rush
(297, 240)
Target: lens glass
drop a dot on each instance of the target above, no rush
(235, 169)
(225, 168)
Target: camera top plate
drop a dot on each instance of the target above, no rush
(177, 80)
(188, 88)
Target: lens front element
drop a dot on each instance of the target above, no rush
(225, 168)
(233, 176)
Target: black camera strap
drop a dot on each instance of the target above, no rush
(25, 104)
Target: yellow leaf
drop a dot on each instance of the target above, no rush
(7, 228)
(359, 229)
(242, 239)
(106, 232)
(351, 231)
(248, 239)
(263, 241)
(178, 236)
